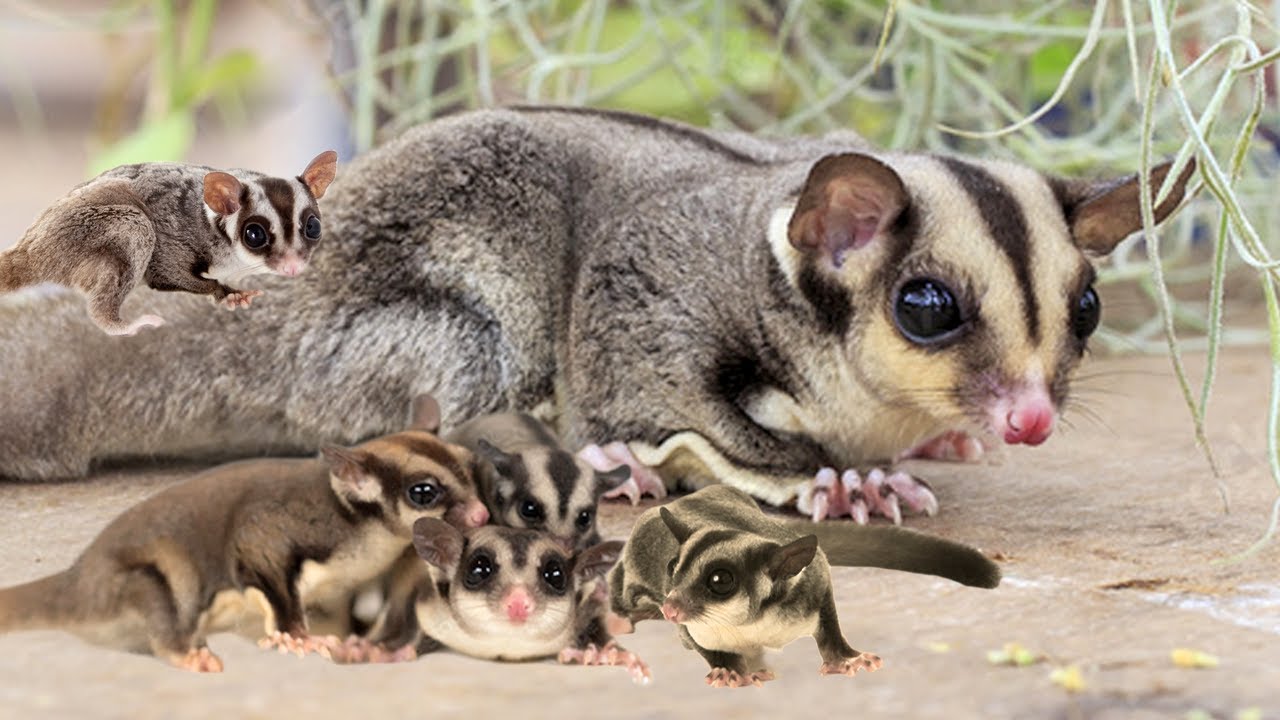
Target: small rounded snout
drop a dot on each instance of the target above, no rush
(518, 605)
(673, 609)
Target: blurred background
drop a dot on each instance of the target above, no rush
(1068, 87)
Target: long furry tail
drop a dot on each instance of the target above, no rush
(39, 604)
(849, 545)
(14, 271)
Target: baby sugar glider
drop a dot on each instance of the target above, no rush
(498, 593)
(286, 534)
(174, 227)
(528, 480)
(736, 581)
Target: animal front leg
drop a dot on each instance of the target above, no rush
(729, 669)
(610, 654)
(955, 445)
(233, 299)
(862, 496)
(838, 658)
(644, 480)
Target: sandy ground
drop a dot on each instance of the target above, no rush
(1110, 537)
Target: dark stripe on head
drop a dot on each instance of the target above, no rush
(1008, 227)
(832, 303)
(536, 430)
(564, 475)
(709, 539)
(280, 195)
(519, 541)
(426, 445)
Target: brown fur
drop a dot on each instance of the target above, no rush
(297, 531)
(163, 224)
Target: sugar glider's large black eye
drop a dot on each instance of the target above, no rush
(423, 494)
(553, 574)
(926, 311)
(721, 582)
(1087, 313)
(255, 236)
(478, 571)
(312, 228)
(531, 511)
(583, 521)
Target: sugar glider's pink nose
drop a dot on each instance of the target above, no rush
(1029, 422)
(519, 605)
(291, 266)
(477, 514)
(672, 611)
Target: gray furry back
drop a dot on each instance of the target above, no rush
(450, 258)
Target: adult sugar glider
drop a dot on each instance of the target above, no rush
(173, 227)
(528, 480)
(289, 534)
(736, 581)
(727, 307)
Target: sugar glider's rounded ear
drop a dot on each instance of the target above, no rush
(438, 543)
(1102, 213)
(847, 201)
(424, 414)
(350, 478)
(788, 560)
(596, 560)
(320, 172)
(611, 479)
(680, 530)
(222, 192)
(501, 461)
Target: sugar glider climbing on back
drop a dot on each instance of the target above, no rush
(737, 581)
(728, 308)
(295, 534)
(174, 227)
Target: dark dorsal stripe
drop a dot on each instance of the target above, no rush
(685, 132)
(1008, 226)
(708, 540)
(426, 445)
(563, 472)
(280, 195)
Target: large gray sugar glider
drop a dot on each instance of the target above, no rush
(174, 227)
(780, 315)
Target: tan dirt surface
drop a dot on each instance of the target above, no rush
(1110, 537)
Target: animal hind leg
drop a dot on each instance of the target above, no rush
(119, 255)
(171, 635)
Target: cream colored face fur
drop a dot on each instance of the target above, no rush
(474, 620)
(883, 393)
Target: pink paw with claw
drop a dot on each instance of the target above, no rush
(724, 677)
(860, 497)
(356, 649)
(610, 654)
(299, 645)
(954, 446)
(201, 660)
(239, 299)
(644, 481)
(851, 666)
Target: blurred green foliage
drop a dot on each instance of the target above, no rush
(183, 78)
